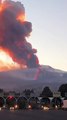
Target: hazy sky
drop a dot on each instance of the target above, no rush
(49, 35)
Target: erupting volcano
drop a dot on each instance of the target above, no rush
(13, 32)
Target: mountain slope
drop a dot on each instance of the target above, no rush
(21, 79)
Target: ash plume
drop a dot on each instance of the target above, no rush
(13, 32)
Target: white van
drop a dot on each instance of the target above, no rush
(64, 104)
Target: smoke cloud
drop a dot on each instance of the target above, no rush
(13, 32)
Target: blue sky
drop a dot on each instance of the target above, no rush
(49, 35)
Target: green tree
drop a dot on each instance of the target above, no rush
(63, 89)
(46, 92)
(28, 92)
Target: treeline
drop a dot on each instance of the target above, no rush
(46, 92)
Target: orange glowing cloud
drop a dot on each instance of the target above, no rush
(14, 29)
(6, 62)
(21, 17)
(2, 6)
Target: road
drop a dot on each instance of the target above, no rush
(33, 115)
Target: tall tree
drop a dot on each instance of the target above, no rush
(46, 92)
(63, 89)
(28, 92)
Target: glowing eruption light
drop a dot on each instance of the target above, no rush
(4, 57)
(13, 32)
(6, 62)
(21, 18)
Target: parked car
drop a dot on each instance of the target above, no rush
(33, 103)
(57, 103)
(22, 102)
(45, 103)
